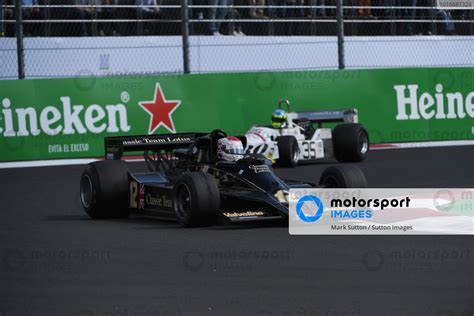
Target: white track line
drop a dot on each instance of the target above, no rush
(82, 161)
(52, 162)
(447, 143)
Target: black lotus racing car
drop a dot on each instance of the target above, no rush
(185, 182)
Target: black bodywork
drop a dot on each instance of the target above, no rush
(249, 189)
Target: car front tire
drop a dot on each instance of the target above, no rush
(343, 176)
(288, 150)
(196, 199)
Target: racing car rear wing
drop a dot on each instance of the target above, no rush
(348, 115)
(116, 146)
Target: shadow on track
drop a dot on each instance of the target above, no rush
(150, 223)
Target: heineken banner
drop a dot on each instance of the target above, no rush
(68, 118)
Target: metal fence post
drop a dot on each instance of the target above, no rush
(19, 39)
(340, 34)
(185, 34)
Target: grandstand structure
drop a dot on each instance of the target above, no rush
(282, 18)
(185, 30)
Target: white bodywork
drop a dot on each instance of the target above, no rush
(262, 140)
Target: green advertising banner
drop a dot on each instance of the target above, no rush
(68, 118)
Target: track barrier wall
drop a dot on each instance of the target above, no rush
(69, 118)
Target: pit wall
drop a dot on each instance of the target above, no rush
(69, 118)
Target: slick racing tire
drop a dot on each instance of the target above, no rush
(196, 199)
(343, 176)
(104, 189)
(351, 142)
(288, 150)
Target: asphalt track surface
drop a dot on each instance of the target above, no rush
(56, 261)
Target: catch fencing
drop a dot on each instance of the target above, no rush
(71, 38)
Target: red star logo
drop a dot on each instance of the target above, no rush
(160, 111)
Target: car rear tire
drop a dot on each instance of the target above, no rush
(104, 189)
(343, 176)
(288, 151)
(351, 142)
(196, 199)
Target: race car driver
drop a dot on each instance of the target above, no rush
(230, 149)
(279, 119)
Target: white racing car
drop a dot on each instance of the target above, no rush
(302, 137)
